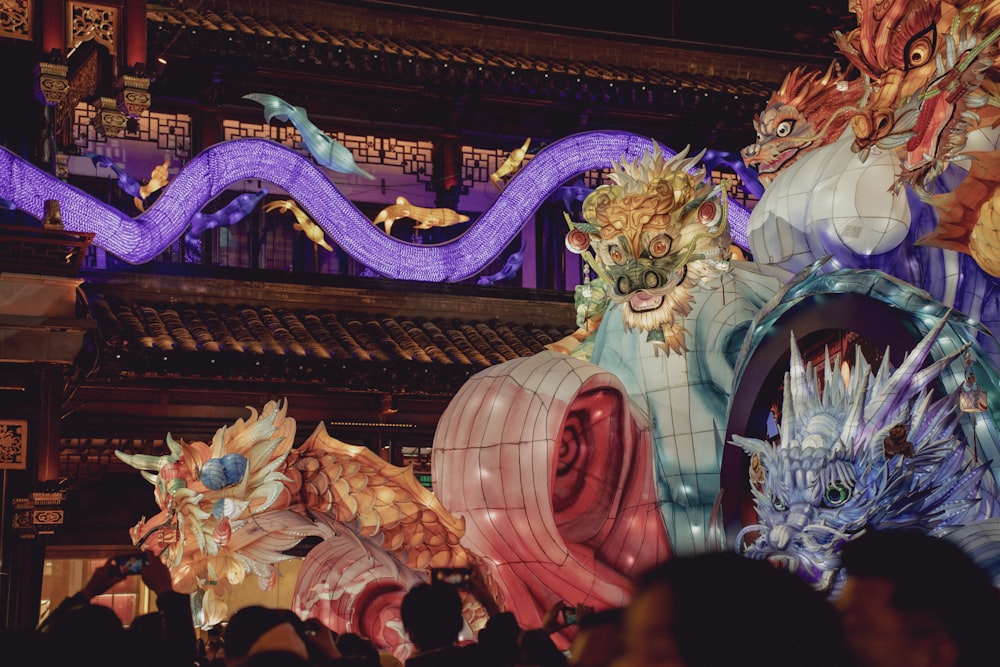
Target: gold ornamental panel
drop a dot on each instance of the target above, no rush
(15, 19)
(86, 21)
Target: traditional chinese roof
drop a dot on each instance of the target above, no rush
(340, 337)
(311, 334)
(369, 357)
(239, 29)
(407, 70)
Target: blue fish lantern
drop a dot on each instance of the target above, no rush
(326, 150)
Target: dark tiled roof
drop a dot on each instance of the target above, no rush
(278, 34)
(301, 344)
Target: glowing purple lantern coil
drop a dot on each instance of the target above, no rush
(141, 239)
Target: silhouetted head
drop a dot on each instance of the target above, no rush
(432, 615)
(598, 639)
(85, 635)
(498, 640)
(909, 593)
(248, 624)
(723, 609)
(355, 646)
(538, 650)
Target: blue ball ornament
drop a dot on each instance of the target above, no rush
(213, 475)
(223, 507)
(234, 466)
(219, 508)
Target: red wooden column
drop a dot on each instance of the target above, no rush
(447, 171)
(134, 32)
(53, 22)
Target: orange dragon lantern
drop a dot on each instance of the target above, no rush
(811, 109)
(233, 508)
(928, 65)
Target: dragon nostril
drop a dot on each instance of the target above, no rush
(624, 285)
(862, 126)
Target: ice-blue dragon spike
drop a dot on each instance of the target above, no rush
(892, 385)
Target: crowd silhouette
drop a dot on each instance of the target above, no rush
(907, 599)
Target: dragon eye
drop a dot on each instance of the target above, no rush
(778, 504)
(837, 494)
(784, 128)
(616, 254)
(920, 48)
(707, 212)
(660, 246)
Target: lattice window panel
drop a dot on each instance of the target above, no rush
(285, 135)
(733, 187)
(16, 19)
(168, 131)
(479, 163)
(414, 157)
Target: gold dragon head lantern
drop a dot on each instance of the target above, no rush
(655, 235)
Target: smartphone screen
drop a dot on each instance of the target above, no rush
(456, 576)
(569, 615)
(130, 564)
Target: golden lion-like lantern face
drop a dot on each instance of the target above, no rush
(658, 232)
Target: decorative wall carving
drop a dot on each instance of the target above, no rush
(108, 120)
(83, 84)
(133, 95)
(51, 84)
(13, 444)
(88, 21)
(16, 19)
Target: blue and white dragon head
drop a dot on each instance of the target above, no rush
(874, 452)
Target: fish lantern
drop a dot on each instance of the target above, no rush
(233, 467)
(213, 475)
